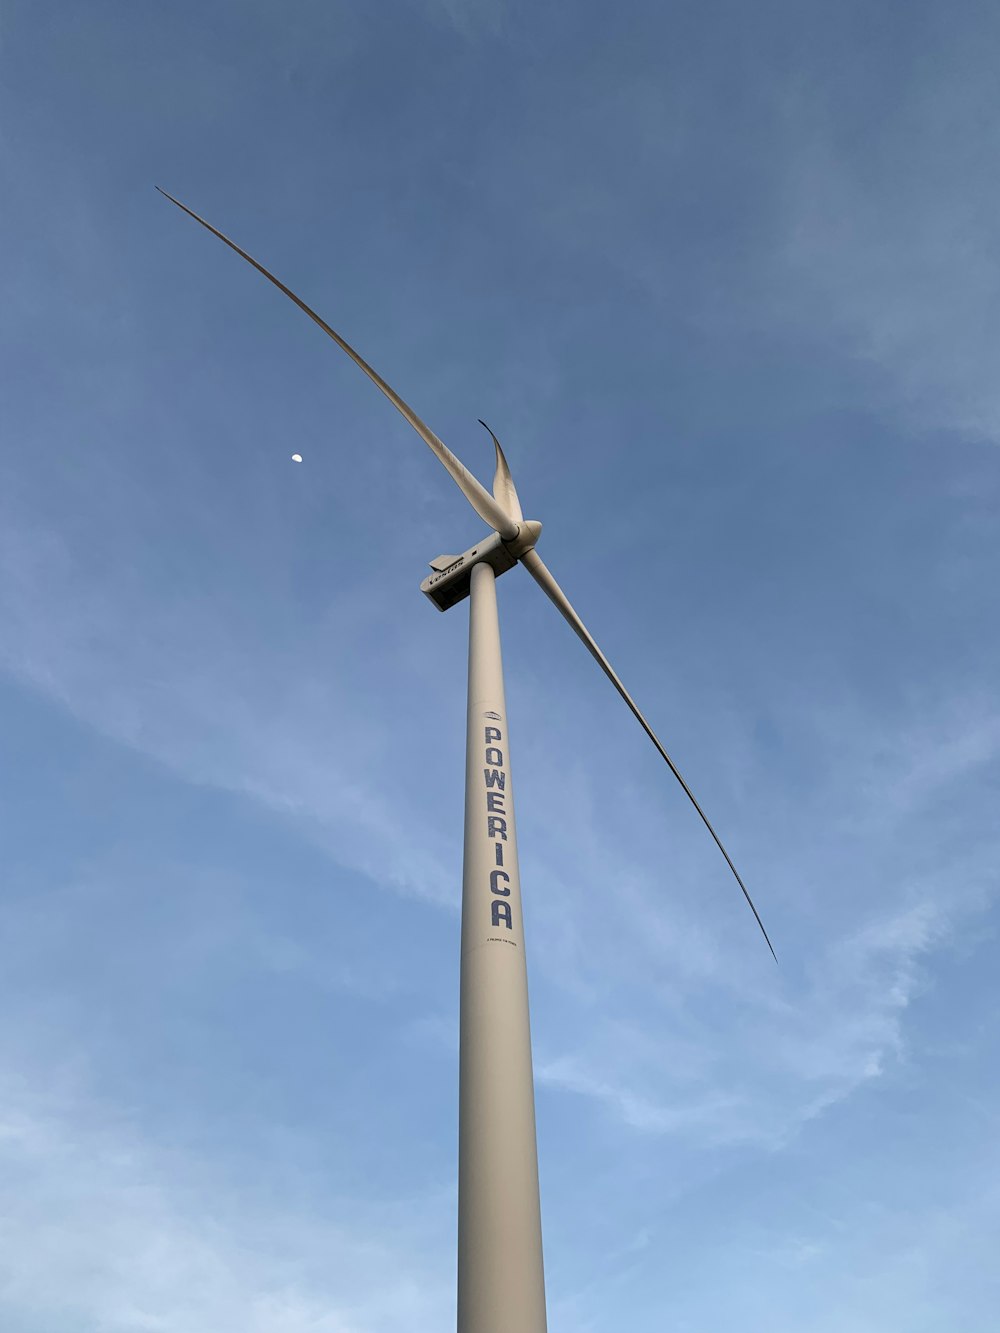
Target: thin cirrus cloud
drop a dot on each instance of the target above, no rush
(891, 236)
(105, 1223)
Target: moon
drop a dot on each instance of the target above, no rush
(296, 458)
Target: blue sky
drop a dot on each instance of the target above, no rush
(724, 279)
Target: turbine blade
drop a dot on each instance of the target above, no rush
(536, 567)
(503, 483)
(488, 509)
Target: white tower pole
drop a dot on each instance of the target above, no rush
(501, 1286)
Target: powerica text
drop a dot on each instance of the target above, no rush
(495, 791)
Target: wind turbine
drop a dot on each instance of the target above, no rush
(501, 1286)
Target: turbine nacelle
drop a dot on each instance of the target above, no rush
(451, 579)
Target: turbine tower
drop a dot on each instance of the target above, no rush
(501, 1287)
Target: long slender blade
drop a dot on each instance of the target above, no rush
(488, 509)
(504, 491)
(536, 567)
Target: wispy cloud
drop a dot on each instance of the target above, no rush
(102, 1228)
(474, 19)
(890, 242)
(836, 1035)
(172, 682)
(835, 1017)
